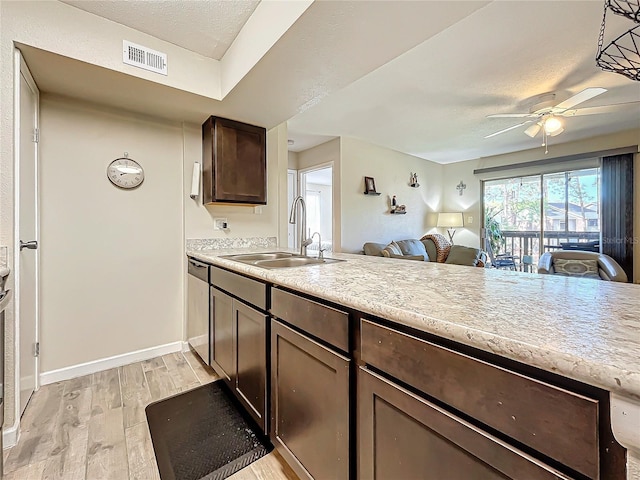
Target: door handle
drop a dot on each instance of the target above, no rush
(32, 245)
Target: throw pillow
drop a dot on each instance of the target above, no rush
(460, 255)
(408, 257)
(391, 248)
(576, 268)
(374, 249)
(413, 247)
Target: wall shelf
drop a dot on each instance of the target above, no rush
(397, 213)
(371, 193)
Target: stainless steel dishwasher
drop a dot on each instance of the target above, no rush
(198, 308)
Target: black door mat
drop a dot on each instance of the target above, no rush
(203, 434)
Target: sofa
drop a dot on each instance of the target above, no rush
(581, 264)
(430, 248)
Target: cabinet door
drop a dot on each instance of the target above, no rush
(251, 361)
(309, 405)
(222, 354)
(402, 435)
(234, 162)
(198, 316)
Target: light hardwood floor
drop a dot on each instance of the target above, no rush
(94, 427)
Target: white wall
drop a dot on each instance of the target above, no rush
(366, 218)
(292, 160)
(111, 259)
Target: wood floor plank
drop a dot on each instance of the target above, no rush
(106, 449)
(32, 471)
(77, 383)
(181, 373)
(245, 474)
(135, 394)
(152, 364)
(142, 460)
(205, 373)
(272, 467)
(105, 387)
(94, 427)
(67, 458)
(160, 383)
(37, 427)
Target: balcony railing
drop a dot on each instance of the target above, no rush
(520, 243)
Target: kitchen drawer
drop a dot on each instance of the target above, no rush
(249, 290)
(323, 322)
(558, 423)
(404, 436)
(198, 269)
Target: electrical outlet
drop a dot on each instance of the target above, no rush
(469, 219)
(220, 224)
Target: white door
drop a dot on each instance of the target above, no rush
(27, 228)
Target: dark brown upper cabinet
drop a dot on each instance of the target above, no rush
(234, 162)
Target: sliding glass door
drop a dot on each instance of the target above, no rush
(527, 216)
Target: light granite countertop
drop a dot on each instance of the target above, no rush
(587, 330)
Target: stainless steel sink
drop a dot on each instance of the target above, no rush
(254, 257)
(279, 259)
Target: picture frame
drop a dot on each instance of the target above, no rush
(369, 185)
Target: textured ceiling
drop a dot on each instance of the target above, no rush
(417, 77)
(207, 27)
(432, 101)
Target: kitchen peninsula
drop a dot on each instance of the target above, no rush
(561, 343)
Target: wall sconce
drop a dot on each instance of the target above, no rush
(450, 221)
(460, 187)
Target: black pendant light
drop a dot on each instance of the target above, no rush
(621, 55)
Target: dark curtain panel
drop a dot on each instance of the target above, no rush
(617, 210)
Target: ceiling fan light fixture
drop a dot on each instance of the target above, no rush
(553, 126)
(533, 130)
(556, 132)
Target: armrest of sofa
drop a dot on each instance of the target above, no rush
(611, 269)
(545, 264)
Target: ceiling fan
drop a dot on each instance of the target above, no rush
(545, 114)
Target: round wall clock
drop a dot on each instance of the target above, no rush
(125, 173)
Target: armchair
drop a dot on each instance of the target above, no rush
(608, 268)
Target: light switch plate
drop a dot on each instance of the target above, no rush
(469, 219)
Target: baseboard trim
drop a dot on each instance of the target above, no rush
(10, 436)
(81, 369)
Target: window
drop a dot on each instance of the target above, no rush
(538, 213)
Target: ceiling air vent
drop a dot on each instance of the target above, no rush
(144, 57)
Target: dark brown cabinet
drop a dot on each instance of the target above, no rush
(309, 405)
(234, 162)
(239, 340)
(402, 435)
(251, 360)
(222, 335)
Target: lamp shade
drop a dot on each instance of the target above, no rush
(450, 220)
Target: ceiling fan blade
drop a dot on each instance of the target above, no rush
(507, 129)
(510, 115)
(583, 96)
(602, 109)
